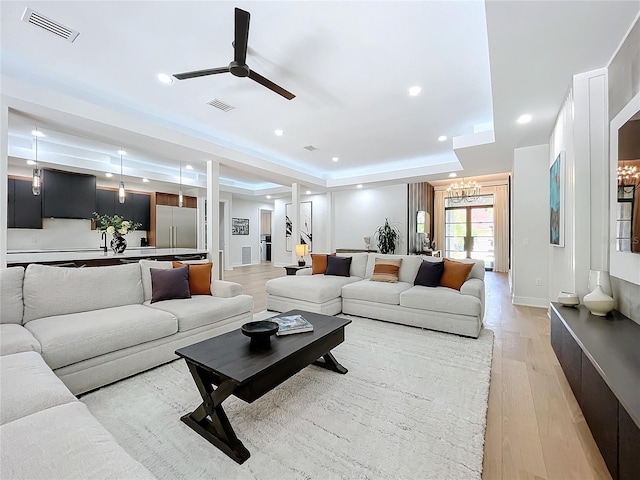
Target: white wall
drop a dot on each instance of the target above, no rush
(241, 208)
(357, 213)
(530, 226)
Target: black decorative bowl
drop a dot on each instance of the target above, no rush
(260, 332)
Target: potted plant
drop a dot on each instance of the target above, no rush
(116, 226)
(387, 237)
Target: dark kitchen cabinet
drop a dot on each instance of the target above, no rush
(105, 200)
(124, 210)
(136, 207)
(68, 195)
(24, 209)
(142, 211)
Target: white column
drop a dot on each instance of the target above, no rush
(295, 221)
(202, 214)
(330, 237)
(4, 159)
(213, 215)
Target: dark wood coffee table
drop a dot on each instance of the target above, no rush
(228, 363)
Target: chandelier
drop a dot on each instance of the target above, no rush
(463, 192)
(628, 175)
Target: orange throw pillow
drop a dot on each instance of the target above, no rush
(199, 277)
(455, 274)
(319, 263)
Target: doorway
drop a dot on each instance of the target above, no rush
(265, 235)
(469, 229)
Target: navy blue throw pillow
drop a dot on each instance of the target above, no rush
(170, 283)
(338, 266)
(429, 274)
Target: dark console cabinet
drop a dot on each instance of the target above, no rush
(601, 360)
(24, 209)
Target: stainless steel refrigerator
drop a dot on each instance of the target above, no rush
(176, 227)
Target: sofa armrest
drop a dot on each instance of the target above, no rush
(304, 271)
(475, 287)
(224, 289)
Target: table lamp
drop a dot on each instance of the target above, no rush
(301, 251)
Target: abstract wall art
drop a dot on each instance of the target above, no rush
(556, 202)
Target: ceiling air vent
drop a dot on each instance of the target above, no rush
(34, 18)
(311, 148)
(219, 104)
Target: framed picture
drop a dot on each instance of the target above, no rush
(306, 232)
(239, 226)
(556, 202)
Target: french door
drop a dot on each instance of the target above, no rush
(469, 230)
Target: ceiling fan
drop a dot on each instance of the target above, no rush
(238, 66)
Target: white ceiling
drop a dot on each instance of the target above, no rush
(349, 64)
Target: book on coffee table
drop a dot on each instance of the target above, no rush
(292, 324)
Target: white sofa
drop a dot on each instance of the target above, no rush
(438, 308)
(64, 331)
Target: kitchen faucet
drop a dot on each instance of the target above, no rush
(104, 237)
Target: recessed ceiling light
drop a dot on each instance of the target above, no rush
(268, 197)
(30, 162)
(122, 152)
(526, 118)
(109, 174)
(453, 175)
(164, 78)
(415, 91)
(189, 167)
(308, 192)
(442, 138)
(335, 159)
(279, 132)
(359, 185)
(37, 133)
(145, 180)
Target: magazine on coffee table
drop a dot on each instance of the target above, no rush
(289, 324)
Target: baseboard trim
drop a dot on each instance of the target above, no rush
(530, 301)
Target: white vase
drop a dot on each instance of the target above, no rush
(600, 277)
(598, 302)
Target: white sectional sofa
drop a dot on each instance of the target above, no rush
(437, 308)
(65, 331)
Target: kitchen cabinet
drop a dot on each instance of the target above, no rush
(24, 209)
(142, 210)
(136, 206)
(68, 195)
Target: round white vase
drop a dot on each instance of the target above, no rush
(598, 302)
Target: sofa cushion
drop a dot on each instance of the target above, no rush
(379, 292)
(11, 305)
(429, 274)
(145, 272)
(64, 442)
(309, 288)
(386, 270)
(408, 267)
(440, 299)
(169, 284)
(52, 291)
(27, 385)
(358, 263)
(455, 273)
(202, 310)
(68, 339)
(15, 339)
(338, 266)
(318, 263)
(199, 277)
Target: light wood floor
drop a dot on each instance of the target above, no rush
(535, 429)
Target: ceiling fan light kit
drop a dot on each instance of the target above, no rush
(238, 66)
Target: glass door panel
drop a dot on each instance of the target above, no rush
(469, 233)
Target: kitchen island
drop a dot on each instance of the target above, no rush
(98, 257)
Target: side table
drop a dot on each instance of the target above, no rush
(292, 269)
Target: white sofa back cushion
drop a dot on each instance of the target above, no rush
(358, 263)
(145, 271)
(11, 306)
(408, 268)
(50, 291)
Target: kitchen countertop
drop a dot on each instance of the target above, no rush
(46, 256)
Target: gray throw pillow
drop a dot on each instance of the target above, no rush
(338, 266)
(168, 284)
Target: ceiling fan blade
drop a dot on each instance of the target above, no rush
(242, 37)
(270, 85)
(201, 73)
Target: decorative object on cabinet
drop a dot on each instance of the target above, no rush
(387, 237)
(239, 226)
(301, 251)
(568, 299)
(556, 201)
(367, 243)
(306, 235)
(598, 302)
(600, 277)
(117, 227)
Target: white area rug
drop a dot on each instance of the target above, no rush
(413, 406)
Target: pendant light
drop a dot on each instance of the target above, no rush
(180, 199)
(36, 182)
(121, 192)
